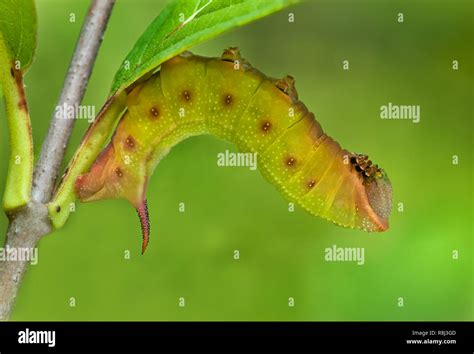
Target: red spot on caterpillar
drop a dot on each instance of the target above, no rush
(154, 112)
(311, 184)
(142, 212)
(227, 99)
(291, 161)
(186, 95)
(266, 126)
(130, 142)
(118, 172)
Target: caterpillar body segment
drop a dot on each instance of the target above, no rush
(228, 98)
(230, 88)
(268, 115)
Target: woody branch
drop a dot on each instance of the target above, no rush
(29, 224)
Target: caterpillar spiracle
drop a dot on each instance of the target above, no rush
(230, 99)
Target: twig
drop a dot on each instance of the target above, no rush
(30, 224)
(80, 69)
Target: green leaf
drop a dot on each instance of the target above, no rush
(17, 47)
(18, 26)
(184, 23)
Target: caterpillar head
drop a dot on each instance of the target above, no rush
(378, 189)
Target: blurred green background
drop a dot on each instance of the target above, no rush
(281, 253)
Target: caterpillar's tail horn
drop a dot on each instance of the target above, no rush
(142, 211)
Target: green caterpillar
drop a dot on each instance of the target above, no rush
(228, 98)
